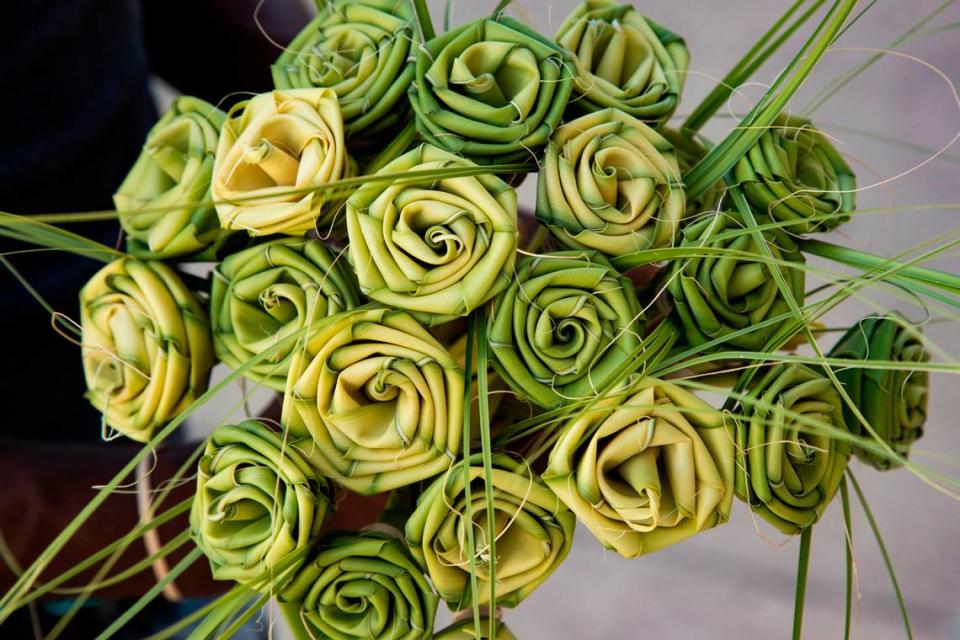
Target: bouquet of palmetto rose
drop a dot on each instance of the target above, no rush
(498, 385)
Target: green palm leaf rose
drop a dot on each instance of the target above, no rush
(534, 531)
(795, 175)
(377, 400)
(717, 294)
(644, 468)
(624, 60)
(264, 294)
(610, 183)
(789, 459)
(164, 202)
(564, 326)
(491, 90)
(437, 248)
(274, 148)
(360, 585)
(360, 50)
(894, 402)
(465, 629)
(146, 345)
(258, 503)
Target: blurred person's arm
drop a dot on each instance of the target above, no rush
(46, 485)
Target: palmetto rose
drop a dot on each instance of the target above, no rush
(646, 467)
(437, 248)
(565, 325)
(894, 402)
(729, 287)
(465, 629)
(258, 503)
(795, 175)
(263, 295)
(379, 400)
(533, 530)
(275, 150)
(689, 152)
(610, 183)
(360, 50)
(146, 345)
(789, 459)
(492, 90)
(360, 585)
(624, 60)
(164, 203)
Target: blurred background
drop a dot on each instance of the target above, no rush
(737, 581)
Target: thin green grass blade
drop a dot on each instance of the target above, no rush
(803, 562)
(883, 552)
(759, 53)
(244, 617)
(150, 595)
(844, 79)
(25, 229)
(943, 280)
(422, 13)
(487, 454)
(724, 155)
(468, 507)
(31, 574)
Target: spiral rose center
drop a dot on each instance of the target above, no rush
(498, 74)
(618, 54)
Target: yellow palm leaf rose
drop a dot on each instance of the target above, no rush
(436, 248)
(146, 345)
(645, 468)
(375, 400)
(274, 150)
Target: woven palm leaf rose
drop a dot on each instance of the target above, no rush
(356, 257)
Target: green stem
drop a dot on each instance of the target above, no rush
(427, 31)
(291, 613)
(803, 561)
(848, 556)
(487, 451)
(750, 62)
(468, 506)
(883, 552)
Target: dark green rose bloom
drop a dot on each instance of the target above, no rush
(164, 203)
(264, 294)
(492, 90)
(894, 402)
(624, 60)
(789, 466)
(360, 586)
(718, 294)
(610, 183)
(795, 175)
(258, 503)
(533, 530)
(360, 49)
(565, 325)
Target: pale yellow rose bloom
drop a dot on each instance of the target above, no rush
(274, 149)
